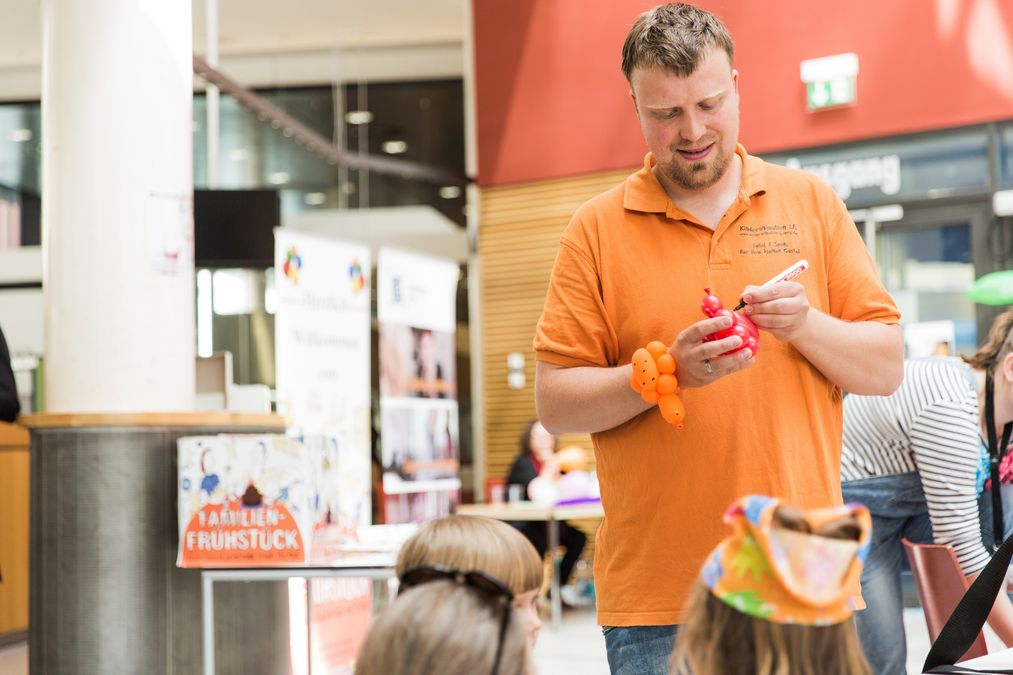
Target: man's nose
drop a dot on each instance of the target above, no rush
(692, 128)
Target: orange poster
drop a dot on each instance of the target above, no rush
(340, 611)
(232, 533)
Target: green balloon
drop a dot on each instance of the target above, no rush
(993, 289)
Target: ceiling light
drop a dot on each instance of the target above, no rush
(394, 147)
(278, 177)
(358, 117)
(315, 198)
(450, 192)
(21, 135)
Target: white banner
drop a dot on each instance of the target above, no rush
(416, 290)
(416, 308)
(322, 365)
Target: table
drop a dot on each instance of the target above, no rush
(529, 511)
(375, 566)
(999, 660)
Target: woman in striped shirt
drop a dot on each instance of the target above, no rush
(912, 458)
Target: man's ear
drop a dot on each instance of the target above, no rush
(633, 97)
(735, 80)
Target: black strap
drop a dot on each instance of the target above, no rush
(995, 455)
(965, 623)
(972, 611)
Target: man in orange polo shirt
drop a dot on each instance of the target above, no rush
(632, 267)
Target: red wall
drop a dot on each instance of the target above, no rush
(551, 100)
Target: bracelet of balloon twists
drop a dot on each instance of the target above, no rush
(653, 378)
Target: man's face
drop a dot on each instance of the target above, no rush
(691, 124)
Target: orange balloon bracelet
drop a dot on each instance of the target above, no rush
(653, 378)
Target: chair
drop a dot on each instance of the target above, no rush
(940, 584)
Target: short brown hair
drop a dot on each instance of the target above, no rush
(443, 627)
(469, 543)
(675, 37)
(997, 345)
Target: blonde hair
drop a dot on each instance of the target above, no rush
(443, 627)
(718, 639)
(470, 543)
(997, 345)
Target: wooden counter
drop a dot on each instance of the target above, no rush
(153, 419)
(14, 481)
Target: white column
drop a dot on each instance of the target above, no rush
(117, 207)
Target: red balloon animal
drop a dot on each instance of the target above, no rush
(741, 325)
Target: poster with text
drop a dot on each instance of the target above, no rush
(243, 501)
(419, 435)
(322, 365)
(340, 612)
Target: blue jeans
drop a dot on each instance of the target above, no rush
(898, 508)
(639, 650)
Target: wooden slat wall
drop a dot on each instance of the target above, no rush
(518, 235)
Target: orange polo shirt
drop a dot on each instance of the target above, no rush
(631, 268)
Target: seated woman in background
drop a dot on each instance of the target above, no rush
(490, 546)
(775, 595)
(537, 459)
(913, 458)
(448, 622)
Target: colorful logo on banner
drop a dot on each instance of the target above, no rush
(356, 275)
(231, 533)
(293, 263)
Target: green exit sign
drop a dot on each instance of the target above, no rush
(830, 93)
(830, 81)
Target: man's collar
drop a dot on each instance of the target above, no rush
(644, 192)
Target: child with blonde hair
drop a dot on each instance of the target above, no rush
(472, 543)
(447, 622)
(775, 596)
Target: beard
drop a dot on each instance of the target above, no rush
(698, 175)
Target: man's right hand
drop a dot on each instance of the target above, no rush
(698, 362)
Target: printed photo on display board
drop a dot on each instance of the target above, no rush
(420, 450)
(420, 456)
(417, 362)
(419, 507)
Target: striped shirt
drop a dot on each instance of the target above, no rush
(929, 425)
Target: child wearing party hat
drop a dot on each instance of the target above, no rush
(776, 596)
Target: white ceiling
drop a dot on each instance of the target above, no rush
(270, 26)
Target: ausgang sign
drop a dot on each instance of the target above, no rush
(830, 81)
